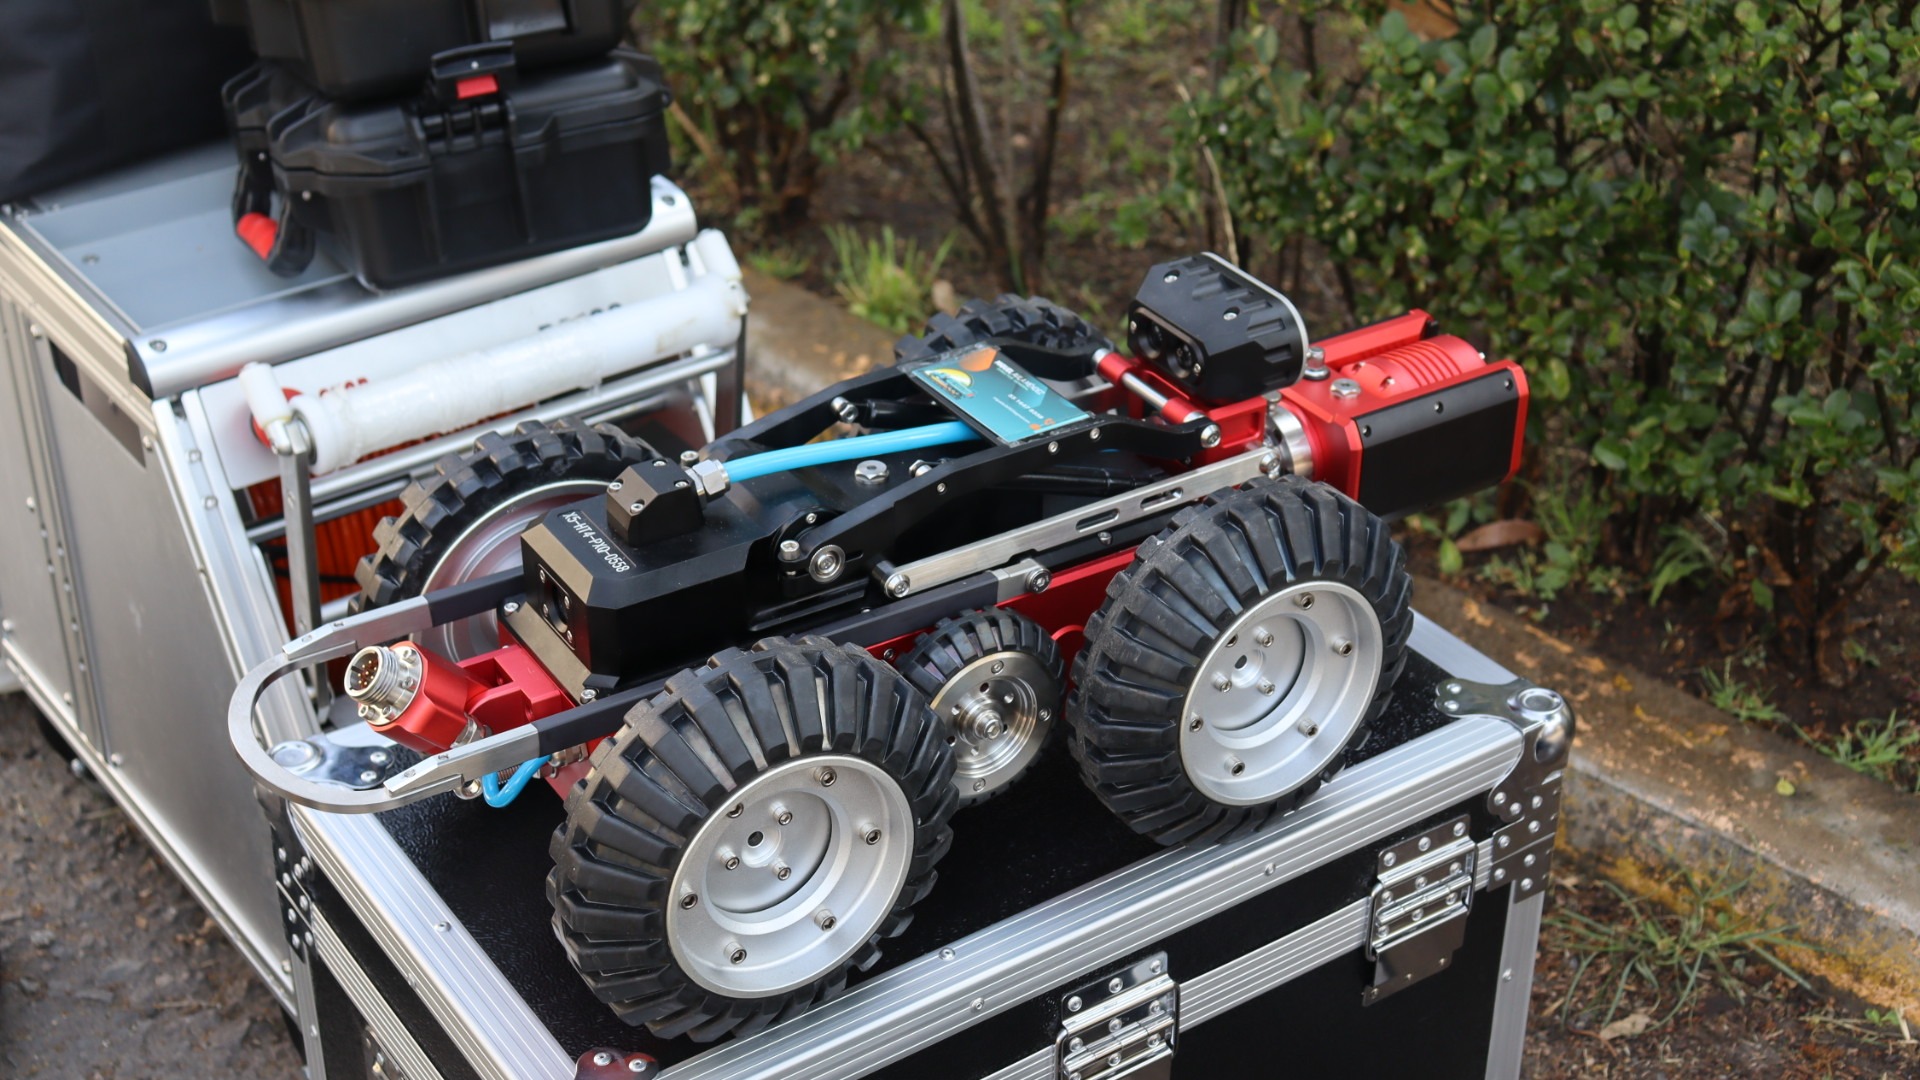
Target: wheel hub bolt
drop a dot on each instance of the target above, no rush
(735, 954)
(1196, 724)
(826, 777)
(1263, 636)
(783, 871)
(784, 816)
(1342, 647)
(1222, 683)
(1309, 728)
(1266, 687)
(1235, 765)
(825, 919)
(987, 724)
(1304, 600)
(872, 837)
(732, 863)
(998, 666)
(735, 811)
(689, 902)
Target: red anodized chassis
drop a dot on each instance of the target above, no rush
(1389, 361)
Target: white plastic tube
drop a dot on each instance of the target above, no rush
(451, 393)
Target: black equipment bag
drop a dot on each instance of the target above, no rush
(86, 85)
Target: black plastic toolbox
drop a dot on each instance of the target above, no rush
(485, 168)
(353, 49)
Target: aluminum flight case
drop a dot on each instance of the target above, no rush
(1388, 924)
(143, 551)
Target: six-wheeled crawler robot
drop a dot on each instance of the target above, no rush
(764, 676)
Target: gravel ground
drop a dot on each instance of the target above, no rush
(108, 966)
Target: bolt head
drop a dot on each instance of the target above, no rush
(1115, 985)
(1039, 580)
(872, 837)
(784, 817)
(826, 778)
(1389, 859)
(636, 1065)
(736, 955)
(689, 902)
(1222, 683)
(898, 585)
(603, 1058)
(1074, 1003)
(783, 872)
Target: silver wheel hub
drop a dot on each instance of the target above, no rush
(998, 710)
(1280, 693)
(787, 881)
(489, 546)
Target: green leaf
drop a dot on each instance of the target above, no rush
(1823, 200)
(1784, 787)
(1610, 454)
(1763, 595)
(1451, 561)
(1481, 46)
(1786, 306)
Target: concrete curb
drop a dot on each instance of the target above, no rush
(1660, 782)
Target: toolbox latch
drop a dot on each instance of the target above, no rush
(1123, 1024)
(1418, 915)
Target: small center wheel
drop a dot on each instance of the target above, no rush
(768, 898)
(994, 678)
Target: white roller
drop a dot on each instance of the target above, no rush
(451, 393)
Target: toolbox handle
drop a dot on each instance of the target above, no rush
(471, 71)
(282, 242)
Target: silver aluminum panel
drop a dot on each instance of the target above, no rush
(33, 631)
(158, 675)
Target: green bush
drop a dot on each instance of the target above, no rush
(1692, 221)
(774, 88)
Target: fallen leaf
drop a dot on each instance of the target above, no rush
(1626, 1027)
(1507, 532)
(1785, 787)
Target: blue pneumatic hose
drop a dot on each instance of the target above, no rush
(860, 446)
(498, 796)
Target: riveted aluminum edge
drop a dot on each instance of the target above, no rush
(388, 1031)
(493, 1027)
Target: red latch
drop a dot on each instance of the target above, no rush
(477, 86)
(257, 231)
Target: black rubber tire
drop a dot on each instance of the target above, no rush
(1034, 321)
(961, 639)
(1163, 613)
(649, 790)
(463, 488)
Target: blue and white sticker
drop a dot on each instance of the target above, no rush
(996, 394)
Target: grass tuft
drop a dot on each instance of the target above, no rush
(886, 279)
(1658, 961)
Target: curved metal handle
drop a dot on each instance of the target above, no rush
(443, 772)
(271, 774)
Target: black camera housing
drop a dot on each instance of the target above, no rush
(1218, 331)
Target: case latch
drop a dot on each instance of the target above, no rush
(1418, 915)
(1122, 1025)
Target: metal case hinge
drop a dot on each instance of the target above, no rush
(1122, 1025)
(1528, 797)
(1418, 914)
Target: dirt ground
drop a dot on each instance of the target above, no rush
(1755, 1022)
(108, 967)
